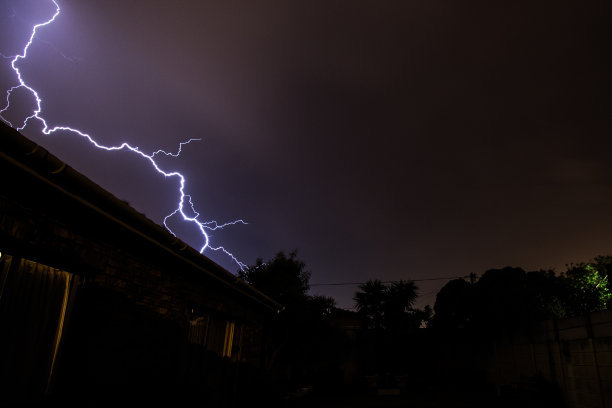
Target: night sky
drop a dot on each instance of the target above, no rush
(411, 139)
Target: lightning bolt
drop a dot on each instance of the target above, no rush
(184, 199)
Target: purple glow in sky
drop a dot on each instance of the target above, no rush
(392, 140)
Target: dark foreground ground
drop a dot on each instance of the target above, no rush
(428, 398)
(424, 397)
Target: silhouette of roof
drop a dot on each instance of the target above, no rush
(19, 151)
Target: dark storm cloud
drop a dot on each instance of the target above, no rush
(396, 140)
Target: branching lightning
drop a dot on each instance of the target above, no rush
(184, 199)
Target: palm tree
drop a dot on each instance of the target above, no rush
(370, 302)
(386, 306)
(398, 304)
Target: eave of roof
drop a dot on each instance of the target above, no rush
(22, 152)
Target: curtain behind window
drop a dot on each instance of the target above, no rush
(33, 300)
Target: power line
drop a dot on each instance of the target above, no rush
(428, 293)
(393, 281)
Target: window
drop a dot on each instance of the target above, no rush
(229, 339)
(198, 330)
(34, 302)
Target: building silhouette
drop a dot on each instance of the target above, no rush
(98, 301)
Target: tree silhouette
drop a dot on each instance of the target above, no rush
(400, 297)
(453, 305)
(512, 298)
(370, 303)
(388, 306)
(282, 278)
(301, 346)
